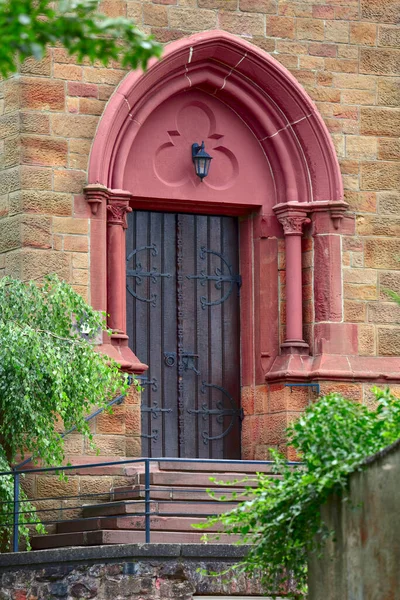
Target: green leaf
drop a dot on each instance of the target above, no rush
(281, 517)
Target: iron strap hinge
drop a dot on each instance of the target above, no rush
(155, 410)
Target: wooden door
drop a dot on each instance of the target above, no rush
(183, 321)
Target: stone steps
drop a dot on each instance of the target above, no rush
(220, 467)
(190, 479)
(137, 492)
(162, 508)
(179, 499)
(136, 523)
(105, 537)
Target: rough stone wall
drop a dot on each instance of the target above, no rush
(116, 436)
(363, 561)
(160, 571)
(346, 55)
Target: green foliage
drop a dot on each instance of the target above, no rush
(281, 518)
(393, 295)
(27, 27)
(50, 374)
(49, 370)
(27, 514)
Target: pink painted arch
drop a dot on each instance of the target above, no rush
(265, 96)
(284, 165)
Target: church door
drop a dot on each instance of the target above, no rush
(183, 321)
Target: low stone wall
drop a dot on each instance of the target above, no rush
(134, 571)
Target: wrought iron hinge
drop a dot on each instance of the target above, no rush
(155, 410)
(139, 272)
(153, 437)
(220, 412)
(222, 275)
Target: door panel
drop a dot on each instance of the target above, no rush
(183, 321)
(151, 325)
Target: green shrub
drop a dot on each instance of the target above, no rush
(281, 518)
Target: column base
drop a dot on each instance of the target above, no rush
(295, 347)
(116, 347)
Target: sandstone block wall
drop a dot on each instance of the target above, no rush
(346, 55)
(270, 409)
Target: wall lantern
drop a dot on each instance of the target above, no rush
(201, 160)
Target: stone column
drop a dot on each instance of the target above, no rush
(292, 223)
(117, 208)
(97, 198)
(107, 270)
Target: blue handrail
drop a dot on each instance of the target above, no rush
(117, 400)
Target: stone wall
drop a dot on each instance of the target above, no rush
(270, 409)
(363, 560)
(159, 571)
(346, 55)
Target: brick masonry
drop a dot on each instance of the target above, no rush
(346, 55)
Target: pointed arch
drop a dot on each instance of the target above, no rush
(258, 88)
(276, 156)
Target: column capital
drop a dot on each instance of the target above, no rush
(292, 216)
(117, 211)
(293, 224)
(97, 194)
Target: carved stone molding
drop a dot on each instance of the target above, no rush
(293, 224)
(289, 214)
(116, 213)
(96, 194)
(110, 207)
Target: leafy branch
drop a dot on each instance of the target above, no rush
(281, 518)
(50, 372)
(27, 27)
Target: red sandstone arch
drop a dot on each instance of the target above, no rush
(258, 88)
(296, 176)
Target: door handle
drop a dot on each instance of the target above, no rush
(187, 361)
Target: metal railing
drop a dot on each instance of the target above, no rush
(116, 401)
(143, 466)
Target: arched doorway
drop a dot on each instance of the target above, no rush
(273, 165)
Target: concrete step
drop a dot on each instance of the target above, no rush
(188, 479)
(157, 523)
(137, 492)
(111, 536)
(132, 507)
